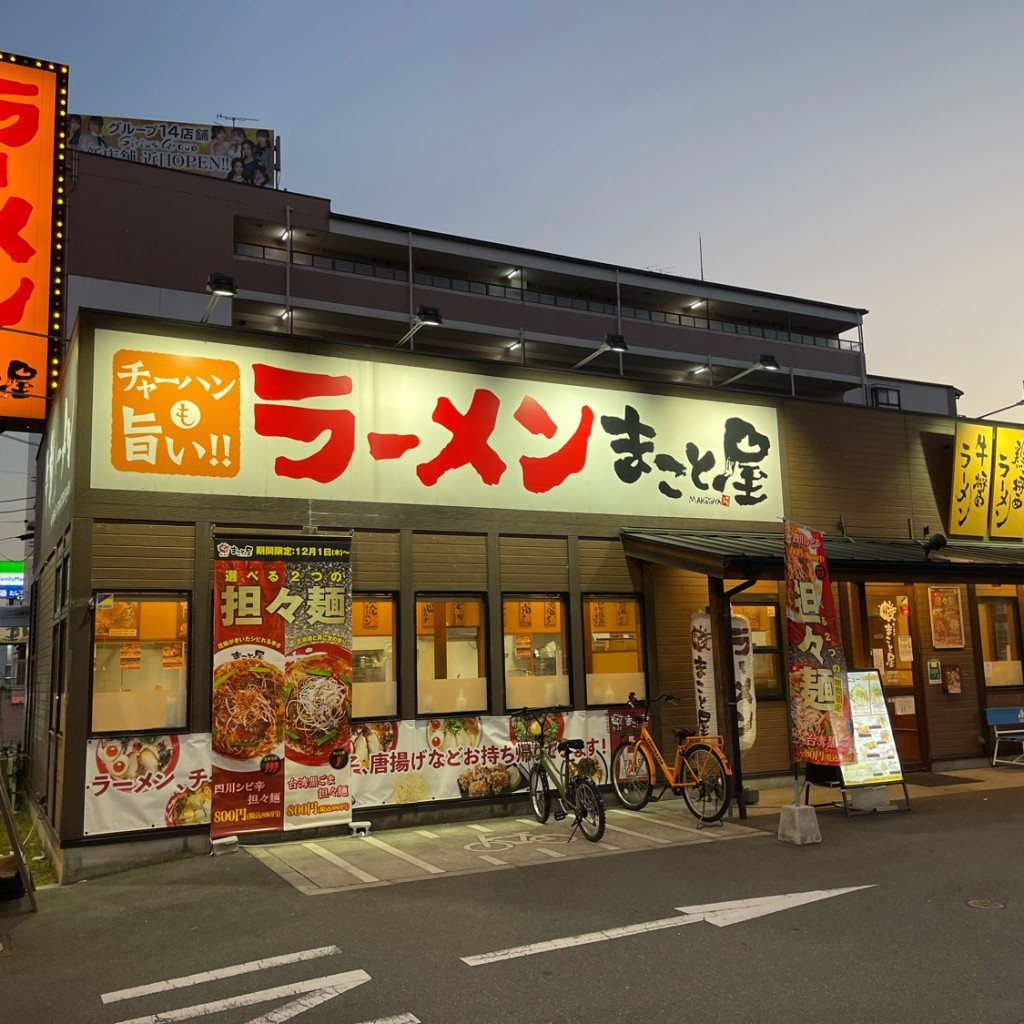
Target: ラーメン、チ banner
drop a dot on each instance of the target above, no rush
(819, 702)
(282, 683)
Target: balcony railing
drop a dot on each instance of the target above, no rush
(362, 268)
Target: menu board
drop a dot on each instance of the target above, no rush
(876, 760)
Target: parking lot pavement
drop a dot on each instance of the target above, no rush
(412, 854)
(417, 854)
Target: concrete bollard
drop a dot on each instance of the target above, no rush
(798, 824)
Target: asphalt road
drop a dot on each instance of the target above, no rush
(905, 948)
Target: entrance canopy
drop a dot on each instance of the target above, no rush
(759, 556)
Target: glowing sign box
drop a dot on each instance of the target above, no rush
(33, 105)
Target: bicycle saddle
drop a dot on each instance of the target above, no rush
(684, 734)
(570, 745)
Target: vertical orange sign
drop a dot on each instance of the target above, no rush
(972, 480)
(33, 105)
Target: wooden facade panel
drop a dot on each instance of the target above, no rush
(534, 564)
(684, 593)
(770, 753)
(603, 566)
(678, 595)
(449, 561)
(376, 561)
(144, 556)
(903, 461)
(955, 725)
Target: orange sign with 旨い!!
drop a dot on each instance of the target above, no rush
(33, 106)
(175, 414)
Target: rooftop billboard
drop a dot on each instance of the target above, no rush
(249, 156)
(33, 107)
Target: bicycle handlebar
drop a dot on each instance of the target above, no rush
(536, 712)
(640, 702)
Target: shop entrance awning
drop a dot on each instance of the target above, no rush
(759, 556)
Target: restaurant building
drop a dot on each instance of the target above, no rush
(529, 473)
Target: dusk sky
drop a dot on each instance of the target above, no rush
(867, 154)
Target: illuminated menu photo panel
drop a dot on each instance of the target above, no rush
(33, 106)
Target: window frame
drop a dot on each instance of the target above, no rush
(140, 596)
(565, 632)
(393, 599)
(480, 706)
(877, 393)
(612, 697)
(779, 650)
(1012, 602)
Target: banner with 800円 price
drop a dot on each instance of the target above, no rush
(282, 684)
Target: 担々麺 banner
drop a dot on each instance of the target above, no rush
(819, 702)
(282, 683)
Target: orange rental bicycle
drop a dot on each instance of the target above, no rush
(700, 771)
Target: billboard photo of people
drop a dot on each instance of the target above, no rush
(248, 156)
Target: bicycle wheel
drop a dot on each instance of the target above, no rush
(539, 795)
(589, 807)
(631, 775)
(707, 786)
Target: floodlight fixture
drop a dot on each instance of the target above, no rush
(764, 362)
(426, 316)
(219, 286)
(611, 343)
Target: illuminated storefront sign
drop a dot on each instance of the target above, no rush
(33, 98)
(239, 153)
(987, 488)
(1006, 515)
(12, 579)
(972, 480)
(216, 419)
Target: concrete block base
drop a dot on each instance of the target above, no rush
(798, 824)
(874, 799)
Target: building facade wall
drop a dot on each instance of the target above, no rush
(877, 474)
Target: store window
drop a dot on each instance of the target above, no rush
(451, 655)
(999, 619)
(766, 638)
(140, 662)
(535, 651)
(374, 689)
(613, 649)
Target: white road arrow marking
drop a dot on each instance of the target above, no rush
(734, 911)
(338, 983)
(297, 1006)
(218, 973)
(719, 914)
